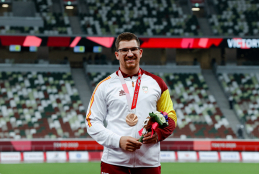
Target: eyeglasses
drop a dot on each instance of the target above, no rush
(124, 51)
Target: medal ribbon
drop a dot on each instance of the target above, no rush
(126, 90)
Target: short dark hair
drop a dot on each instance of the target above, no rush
(126, 36)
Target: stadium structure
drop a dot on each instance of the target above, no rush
(54, 52)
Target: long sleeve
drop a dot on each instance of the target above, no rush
(96, 113)
(165, 104)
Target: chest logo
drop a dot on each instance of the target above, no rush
(145, 89)
(121, 93)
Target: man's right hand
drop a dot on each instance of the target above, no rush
(129, 143)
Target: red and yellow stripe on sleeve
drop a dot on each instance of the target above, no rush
(165, 104)
(92, 100)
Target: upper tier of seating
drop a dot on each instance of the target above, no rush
(235, 17)
(146, 18)
(244, 88)
(40, 105)
(54, 23)
(196, 109)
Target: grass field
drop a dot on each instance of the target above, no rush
(94, 167)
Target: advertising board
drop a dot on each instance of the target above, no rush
(78, 156)
(211, 156)
(229, 156)
(187, 156)
(56, 156)
(10, 156)
(250, 156)
(33, 156)
(167, 156)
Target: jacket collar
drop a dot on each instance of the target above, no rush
(126, 75)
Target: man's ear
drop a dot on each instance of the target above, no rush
(140, 53)
(117, 55)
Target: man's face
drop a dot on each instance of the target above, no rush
(129, 60)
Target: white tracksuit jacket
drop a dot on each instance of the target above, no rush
(109, 103)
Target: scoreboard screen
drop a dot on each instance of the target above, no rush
(79, 49)
(15, 48)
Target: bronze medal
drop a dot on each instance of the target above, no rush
(131, 119)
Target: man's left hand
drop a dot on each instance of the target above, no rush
(150, 140)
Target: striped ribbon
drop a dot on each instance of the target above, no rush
(132, 104)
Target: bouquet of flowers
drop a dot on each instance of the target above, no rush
(154, 120)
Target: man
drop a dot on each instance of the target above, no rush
(113, 101)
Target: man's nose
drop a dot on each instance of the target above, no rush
(130, 53)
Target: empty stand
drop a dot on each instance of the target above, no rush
(147, 18)
(244, 88)
(40, 105)
(95, 78)
(112, 17)
(198, 113)
(238, 17)
(54, 23)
